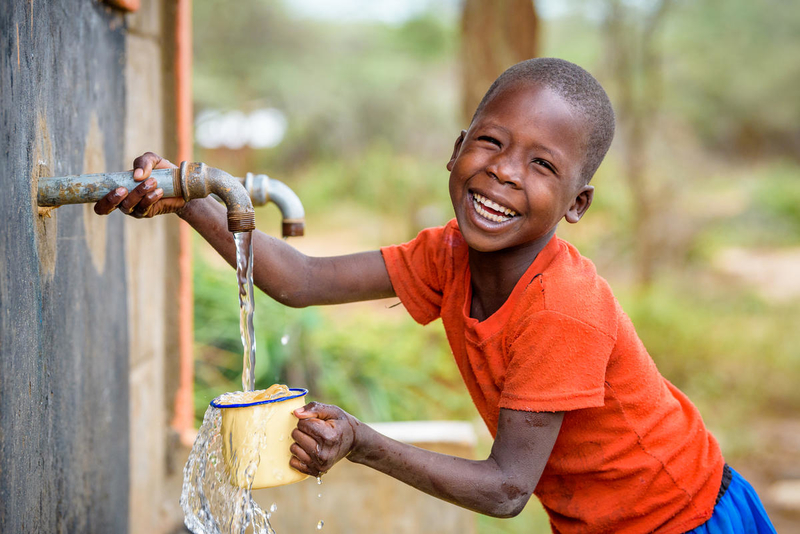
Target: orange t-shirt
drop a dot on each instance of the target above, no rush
(633, 454)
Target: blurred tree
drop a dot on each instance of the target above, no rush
(635, 64)
(735, 63)
(494, 36)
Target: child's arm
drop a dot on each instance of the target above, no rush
(279, 270)
(499, 486)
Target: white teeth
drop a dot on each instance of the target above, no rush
(479, 201)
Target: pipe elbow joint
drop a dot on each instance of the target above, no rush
(198, 180)
(263, 189)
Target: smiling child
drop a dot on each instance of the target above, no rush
(579, 413)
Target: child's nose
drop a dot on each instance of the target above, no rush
(505, 172)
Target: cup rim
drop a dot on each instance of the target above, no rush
(300, 392)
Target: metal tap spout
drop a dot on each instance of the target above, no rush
(198, 180)
(263, 189)
(190, 181)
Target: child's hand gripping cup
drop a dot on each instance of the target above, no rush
(257, 433)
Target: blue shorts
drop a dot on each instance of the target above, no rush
(739, 511)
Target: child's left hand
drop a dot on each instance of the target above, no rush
(324, 435)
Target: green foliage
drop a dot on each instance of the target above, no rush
(729, 352)
(385, 367)
(342, 86)
(218, 365)
(779, 195)
(379, 366)
(761, 208)
(382, 181)
(733, 74)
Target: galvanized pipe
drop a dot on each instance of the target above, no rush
(190, 181)
(198, 180)
(85, 188)
(263, 189)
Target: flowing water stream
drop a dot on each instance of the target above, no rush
(212, 503)
(244, 277)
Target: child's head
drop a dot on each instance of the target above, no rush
(534, 143)
(579, 89)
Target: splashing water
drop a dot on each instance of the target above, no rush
(244, 277)
(211, 502)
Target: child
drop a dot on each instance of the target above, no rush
(579, 413)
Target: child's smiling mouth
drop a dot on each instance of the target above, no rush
(488, 209)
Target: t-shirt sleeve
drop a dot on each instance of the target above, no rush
(557, 363)
(416, 271)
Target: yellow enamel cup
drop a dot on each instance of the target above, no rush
(265, 426)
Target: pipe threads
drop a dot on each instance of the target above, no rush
(242, 222)
(293, 228)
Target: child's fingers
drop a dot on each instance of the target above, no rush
(143, 207)
(319, 429)
(318, 410)
(306, 411)
(133, 198)
(165, 164)
(298, 452)
(109, 203)
(305, 441)
(294, 463)
(144, 164)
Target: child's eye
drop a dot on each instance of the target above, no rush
(489, 139)
(544, 164)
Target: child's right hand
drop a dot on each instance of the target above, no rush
(324, 435)
(145, 200)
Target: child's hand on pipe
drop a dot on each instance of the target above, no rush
(145, 200)
(324, 435)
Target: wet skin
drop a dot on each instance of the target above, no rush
(523, 152)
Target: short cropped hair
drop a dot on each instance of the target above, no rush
(579, 89)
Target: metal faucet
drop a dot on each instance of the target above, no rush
(263, 189)
(190, 181)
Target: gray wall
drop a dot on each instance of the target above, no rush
(64, 429)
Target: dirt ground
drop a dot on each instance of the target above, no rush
(774, 470)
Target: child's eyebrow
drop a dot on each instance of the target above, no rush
(535, 145)
(495, 126)
(543, 148)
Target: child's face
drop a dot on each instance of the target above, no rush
(516, 172)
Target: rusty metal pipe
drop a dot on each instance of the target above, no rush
(263, 189)
(198, 180)
(85, 188)
(190, 181)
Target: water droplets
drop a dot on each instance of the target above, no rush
(285, 339)
(320, 524)
(273, 508)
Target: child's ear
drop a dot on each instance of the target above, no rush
(456, 148)
(581, 203)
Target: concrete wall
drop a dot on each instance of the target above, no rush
(84, 318)
(156, 457)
